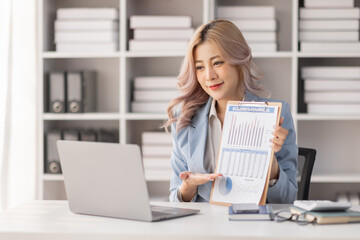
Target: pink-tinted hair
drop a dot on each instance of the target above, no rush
(235, 51)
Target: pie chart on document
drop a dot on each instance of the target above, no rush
(225, 185)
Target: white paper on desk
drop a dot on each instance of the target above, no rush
(245, 153)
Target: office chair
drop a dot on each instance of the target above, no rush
(306, 159)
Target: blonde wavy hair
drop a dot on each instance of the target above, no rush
(235, 51)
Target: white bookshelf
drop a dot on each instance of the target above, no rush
(334, 137)
(53, 54)
(53, 177)
(336, 178)
(81, 116)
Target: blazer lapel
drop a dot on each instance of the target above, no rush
(197, 139)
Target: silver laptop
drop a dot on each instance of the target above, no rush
(107, 179)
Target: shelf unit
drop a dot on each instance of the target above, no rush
(337, 165)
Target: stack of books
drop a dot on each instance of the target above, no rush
(332, 89)
(87, 29)
(160, 33)
(324, 212)
(156, 150)
(329, 25)
(152, 94)
(257, 24)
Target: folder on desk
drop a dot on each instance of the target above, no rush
(81, 91)
(57, 92)
(245, 156)
(52, 161)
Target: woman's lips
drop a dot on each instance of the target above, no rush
(215, 86)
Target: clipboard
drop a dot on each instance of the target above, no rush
(258, 105)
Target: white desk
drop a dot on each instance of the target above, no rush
(53, 220)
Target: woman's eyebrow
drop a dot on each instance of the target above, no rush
(217, 56)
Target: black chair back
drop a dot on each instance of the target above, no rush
(306, 159)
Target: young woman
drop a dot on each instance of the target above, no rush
(218, 67)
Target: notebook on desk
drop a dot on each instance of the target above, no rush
(107, 179)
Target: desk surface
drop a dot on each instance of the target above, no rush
(53, 220)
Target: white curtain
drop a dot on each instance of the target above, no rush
(18, 109)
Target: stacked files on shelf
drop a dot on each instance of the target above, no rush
(52, 161)
(257, 24)
(153, 94)
(160, 33)
(87, 30)
(72, 92)
(329, 26)
(156, 150)
(332, 89)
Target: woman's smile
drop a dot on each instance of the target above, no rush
(215, 86)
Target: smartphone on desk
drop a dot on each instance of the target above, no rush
(245, 208)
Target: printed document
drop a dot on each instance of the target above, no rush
(245, 152)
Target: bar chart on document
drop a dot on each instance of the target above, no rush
(245, 153)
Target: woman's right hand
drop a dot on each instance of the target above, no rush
(192, 180)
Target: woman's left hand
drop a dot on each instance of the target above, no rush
(280, 135)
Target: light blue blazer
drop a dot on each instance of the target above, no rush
(189, 150)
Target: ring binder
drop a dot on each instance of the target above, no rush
(52, 162)
(57, 92)
(81, 91)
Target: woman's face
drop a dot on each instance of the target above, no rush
(218, 78)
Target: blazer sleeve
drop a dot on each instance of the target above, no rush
(178, 165)
(285, 189)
